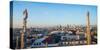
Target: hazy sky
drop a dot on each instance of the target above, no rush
(44, 14)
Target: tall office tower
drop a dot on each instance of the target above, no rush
(88, 29)
(25, 13)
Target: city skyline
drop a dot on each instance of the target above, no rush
(50, 14)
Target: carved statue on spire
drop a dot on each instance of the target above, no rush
(25, 13)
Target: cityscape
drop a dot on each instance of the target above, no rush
(42, 25)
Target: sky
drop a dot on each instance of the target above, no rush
(50, 14)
